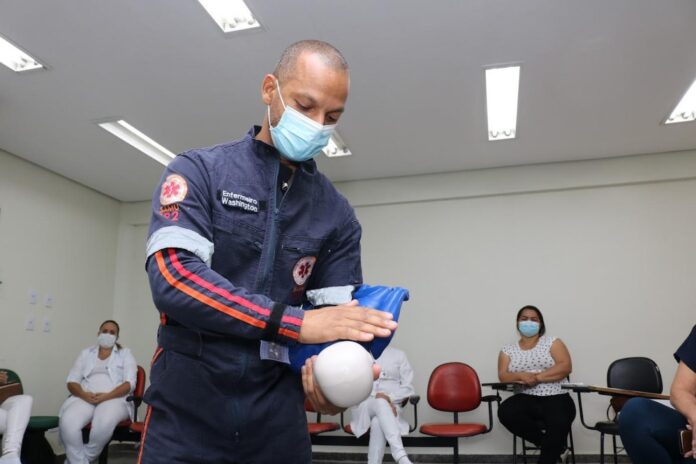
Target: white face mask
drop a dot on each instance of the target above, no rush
(106, 340)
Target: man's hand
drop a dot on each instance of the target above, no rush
(692, 453)
(345, 322)
(386, 398)
(3, 377)
(313, 392)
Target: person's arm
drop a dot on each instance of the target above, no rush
(118, 392)
(3, 377)
(75, 378)
(683, 396)
(504, 375)
(187, 289)
(562, 367)
(405, 388)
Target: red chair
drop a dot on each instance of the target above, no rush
(318, 427)
(123, 431)
(454, 387)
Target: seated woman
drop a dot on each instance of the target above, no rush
(381, 412)
(15, 412)
(99, 382)
(650, 430)
(540, 412)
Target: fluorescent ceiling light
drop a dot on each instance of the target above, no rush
(336, 147)
(230, 15)
(137, 139)
(16, 59)
(502, 88)
(685, 111)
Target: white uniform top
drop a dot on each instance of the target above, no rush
(395, 381)
(120, 367)
(535, 360)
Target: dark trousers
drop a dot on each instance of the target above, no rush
(650, 432)
(212, 400)
(542, 420)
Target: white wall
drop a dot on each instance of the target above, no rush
(604, 248)
(611, 267)
(58, 238)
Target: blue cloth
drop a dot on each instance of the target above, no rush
(387, 299)
(229, 261)
(649, 432)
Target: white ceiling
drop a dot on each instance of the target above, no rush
(598, 77)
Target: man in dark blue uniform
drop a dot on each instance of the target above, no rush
(239, 233)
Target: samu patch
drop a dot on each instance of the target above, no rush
(237, 200)
(174, 190)
(303, 269)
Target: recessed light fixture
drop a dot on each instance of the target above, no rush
(137, 139)
(685, 110)
(502, 88)
(230, 15)
(336, 147)
(15, 59)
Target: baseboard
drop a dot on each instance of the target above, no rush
(334, 457)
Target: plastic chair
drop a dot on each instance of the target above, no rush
(455, 387)
(636, 373)
(35, 448)
(123, 431)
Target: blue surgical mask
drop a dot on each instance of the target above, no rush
(297, 137)
(528, 328)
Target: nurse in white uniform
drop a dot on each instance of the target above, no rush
(99, 382)
(381, 412)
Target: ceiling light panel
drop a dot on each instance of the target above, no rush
(230, 15)
(336, 147)
(685, 110)
(16, 59)
(138, 140)
(502, 89)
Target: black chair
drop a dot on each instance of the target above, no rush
(637, 373)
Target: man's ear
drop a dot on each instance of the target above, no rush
(268, 88)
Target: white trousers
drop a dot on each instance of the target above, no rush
(76, 414)
(383, 428)
(15, 412)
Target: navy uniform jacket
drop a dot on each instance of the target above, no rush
(228, 254)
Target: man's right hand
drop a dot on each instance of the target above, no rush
(345, 322)
(3, 377)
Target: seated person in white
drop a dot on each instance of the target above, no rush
(99, 382)
(15, 412)
(381, 412)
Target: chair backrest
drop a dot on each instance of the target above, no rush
(637, 373)
(12, 376)
(454, 387)
(139, 389)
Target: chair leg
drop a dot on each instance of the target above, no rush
(524, 450)
(572, 446)
(456, 450)
(514, 449)
(601, 448)
(616, 455)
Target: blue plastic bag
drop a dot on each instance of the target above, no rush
(387, 299)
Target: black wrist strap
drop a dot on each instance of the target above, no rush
(273, 324)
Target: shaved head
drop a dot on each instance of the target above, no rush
(327, 53)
